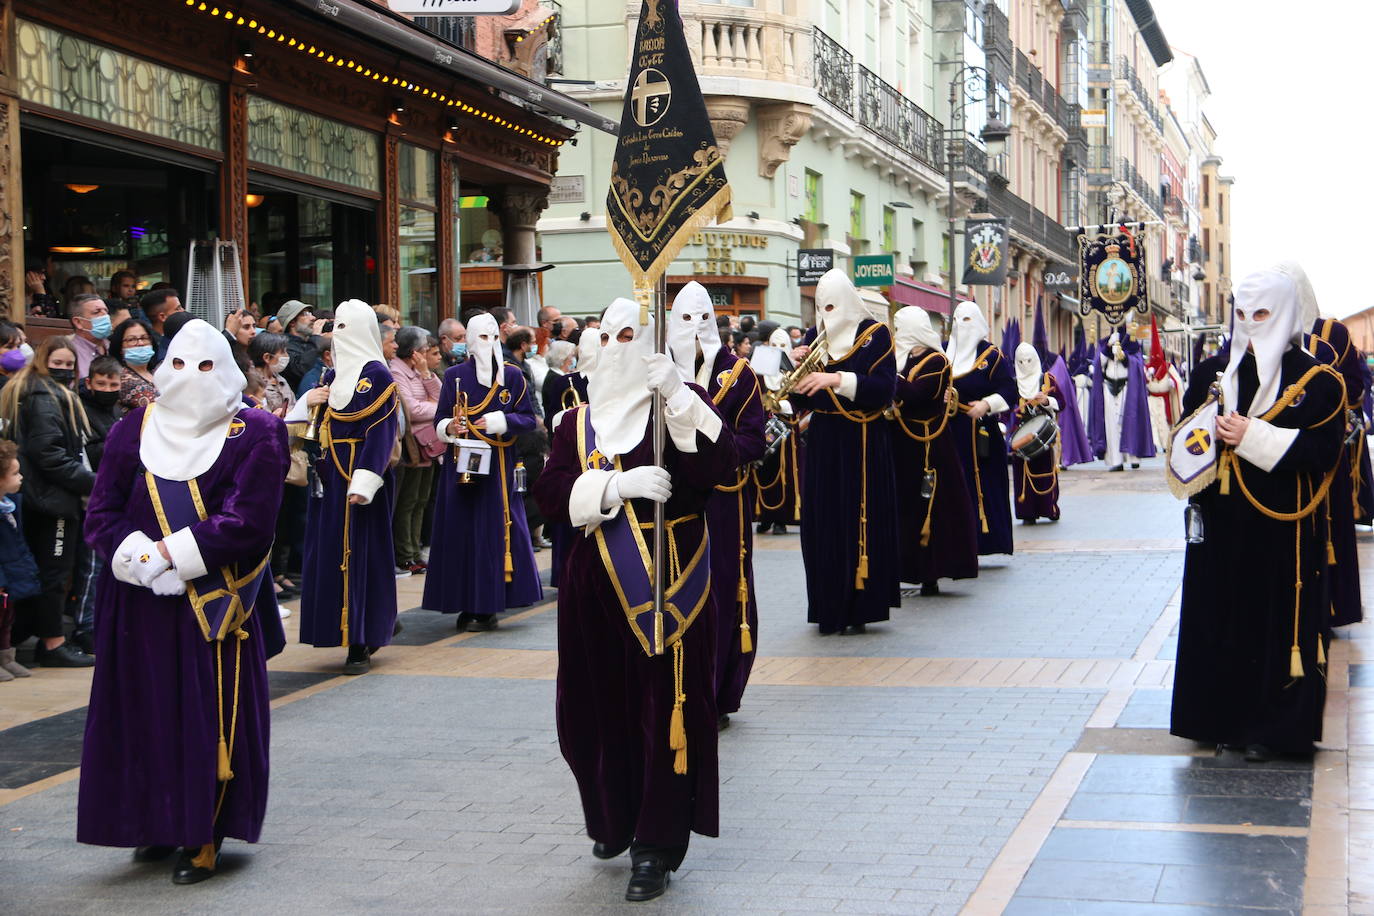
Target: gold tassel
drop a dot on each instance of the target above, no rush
(1295, 663)
(862, 572)
(677, 730)
(1330, 553)
(1321, 651)
(1225, 473)
(746, 639)
(680, 762)
(742, 593)
(677, 733)
(225, 774)
(510, 566)
(925, 532)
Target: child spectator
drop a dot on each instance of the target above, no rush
(99, 393)
(256, 389)
(18, 572)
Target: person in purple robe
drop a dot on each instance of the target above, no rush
(935, 513)
(565, 399)
(849, 491)
(481, 558)
(348, 594)
(636, 707)
(777, 478)
(1119, 419)
(1074, 447)
(732, 386)
(1035, 483)
(982, 375)
(1330, 343)
(176, 746)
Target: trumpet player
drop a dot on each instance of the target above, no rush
(1035, 481)
(937, 536)
(694, 344)
(777, 479)
(849, 491)
(481, 558)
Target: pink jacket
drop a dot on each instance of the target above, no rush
(419, 395)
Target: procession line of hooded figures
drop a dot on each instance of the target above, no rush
(903, 477)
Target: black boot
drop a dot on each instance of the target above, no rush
(358, 662)
(648, 880)
(607, 851)
(463, 620)
(930, 589)
(196, 864)
(723, 722)
(481, 623)
(779, 528)
(762, 528)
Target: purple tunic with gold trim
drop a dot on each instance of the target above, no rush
(1035, 483)
(475, 529)
(985, 464)
(149, 762)
(614, 701)
(734, 389)
(561, 392)
(361, 436)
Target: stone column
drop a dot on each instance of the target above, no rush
(519, 207)
(11, 202)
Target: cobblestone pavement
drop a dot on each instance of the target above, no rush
(1002, 748)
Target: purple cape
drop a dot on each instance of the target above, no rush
(1072, 436)
(1137, 439)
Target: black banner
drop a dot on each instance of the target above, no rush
(812, 264)
(985, 252)
(668, 177)
(1111, 275)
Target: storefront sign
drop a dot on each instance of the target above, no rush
(1061, 278)
(720, 251)
(455, 7)
(568, 189)
(812, 263)
(1093, 117)
(873, 270)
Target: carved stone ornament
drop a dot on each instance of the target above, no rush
(520, 206)
(728, 116)
(781, 127)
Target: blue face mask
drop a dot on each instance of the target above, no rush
(138, 356)
(460, 350)
(101, 327)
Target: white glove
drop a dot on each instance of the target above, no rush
(137, 560)
(662, 376)
(647, 482)
(168, 584)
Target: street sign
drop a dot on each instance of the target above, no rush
(873, 270)
(455, 7)
(812, 263)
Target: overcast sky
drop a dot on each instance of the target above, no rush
(1289, 103)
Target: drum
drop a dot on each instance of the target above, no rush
(1034, 437)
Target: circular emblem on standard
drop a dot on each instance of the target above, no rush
(1198, 441)
(1114, 281)
(985, 250)
(651, 96)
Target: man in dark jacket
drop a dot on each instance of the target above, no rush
(298, 323)
(99, 393)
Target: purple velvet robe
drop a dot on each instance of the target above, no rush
(1035, 483)
(149, 762)
(364, 442)
(614, 701)
(569, 389)
(730, 517)
(849, 491)
(1330, 343)
(472, 521)
(945, 521)
(1074, 447)
(1137, 437)
(986, 475)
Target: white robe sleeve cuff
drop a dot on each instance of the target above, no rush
(365, 484)
(185, 554)
(496, 423)
(1054, 404)
(1265, 444)
(558, 418)
(586, 500)
(997, 403)
(849, 385)
(442, 429)
(686, 414)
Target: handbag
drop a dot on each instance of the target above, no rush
(298, 472)
(430, 445)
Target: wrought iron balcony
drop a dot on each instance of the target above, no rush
(1127, 72)
(997, 34)
(1140, 186)
(1030, 223)
(895, 118)
(456, 30)
(1027, 75)
(834, 72)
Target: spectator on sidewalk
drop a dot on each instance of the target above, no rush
(418, 387)
(268, 355)
(132, 346)
(298, 324)
(18, 572)
(453, 345)
(90, 318)
(99, 393)
(159, 305)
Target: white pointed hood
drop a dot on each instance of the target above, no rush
(1307, 296)
(188, 423)
(588, 351)
(783, 341)
(839, 309)
(691, 322)
(970, 327)
(620, 399)
(484, 347)
(1278, 291)
(1029, 374)
(357, 342)
(913, 330)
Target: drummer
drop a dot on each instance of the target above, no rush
(1035, 440)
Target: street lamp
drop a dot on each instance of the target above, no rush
(975, 82)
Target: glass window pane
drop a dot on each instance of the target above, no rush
(298, 141)
(479, 232)
(419, 291)
(417, 168)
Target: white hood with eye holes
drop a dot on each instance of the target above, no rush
(200, 389)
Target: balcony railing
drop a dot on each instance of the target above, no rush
(834, 72)
(997, 33)
(895, 118)
(1027, 75)
(456, 30)
(1140, 186)
(1031, 223)
(1127, 72)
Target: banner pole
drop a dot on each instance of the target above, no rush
(659, 299)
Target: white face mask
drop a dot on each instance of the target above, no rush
(692, 322)
(617, 393)
(484, 347)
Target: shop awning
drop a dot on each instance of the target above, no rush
(914, 292)
(400, 35)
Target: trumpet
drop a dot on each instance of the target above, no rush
(814, 360)
(312, 429)
(460, 416)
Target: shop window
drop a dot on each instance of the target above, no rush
(287, 138)
(417, 183)
(889, 229)
(66, 73)
(813, 197)
(858, 244)
(304, 247)
(479, 230)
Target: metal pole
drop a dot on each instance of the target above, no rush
(949, 160)
(660, 296)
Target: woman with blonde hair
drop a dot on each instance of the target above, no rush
(41, 412)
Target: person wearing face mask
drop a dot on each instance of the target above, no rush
(1035, 483)
(777, 479)
(732, 386)
(638, 728)
(849, 491)
(1119, 416)
(348, 596)
(937, 539)
(1251, 669)
(91, 330)
(176, 746)
(267, 353)
(15, 351)
(982, 375)
(132, 345)
(42, 413)
(452, 342)
(481, 558)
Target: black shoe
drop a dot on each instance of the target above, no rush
(463, 620)
(648, 880)
(83, 641)
(359, 660)
(1258, 753)
(1029, 521)
(64, 656)
(153, 853)
(762, 528)
(930, 589)
(397, 628)
(1135, 465)
(606, 851)
(779, 528)
(723, 722)
(188, 872)
(481, 623)
(1117, 468)
(856, 629)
